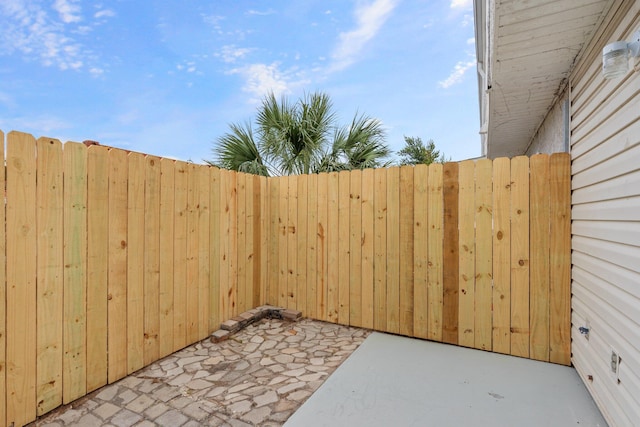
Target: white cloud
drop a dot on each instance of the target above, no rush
(231, 53)
(461, 4)
(261, 13)
(370, 19)
(262, 79)
(214, 21)
(467, 20)
(42, 34)
(68, 11)
(187, 67)
(457, 74)
(104, 13)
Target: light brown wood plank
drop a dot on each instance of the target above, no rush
(74, 362)
(560, 259)
(450, 255)
(151, 260)
(501, 256)
(263, 237)
(367, 247)
(180, 257)
(135, 263)
(292, 246)
(355, 248)
(484, 258)
(326, 286)
(250, 234)
(214, 252)
(520, 256)
(193, 245)
(233, 244)
(312, 244)
(167, 202)
(420, 254)
(393, 250)
(49, 216)
(97, 265)
(243, 300)
(21, 279)
(225, 219)
(343, 247)
(204, 259)
(435, 224)
(283, 253)
(539, 255)
(117, 279)
(406, 250)
(301, 232)
(380, 251)
(466, 253)
(274, 233)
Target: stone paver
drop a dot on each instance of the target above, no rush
(256, 376)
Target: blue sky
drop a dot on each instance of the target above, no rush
(167, 77)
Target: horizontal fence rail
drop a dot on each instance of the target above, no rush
(115, 259)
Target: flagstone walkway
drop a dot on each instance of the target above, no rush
(259, 376)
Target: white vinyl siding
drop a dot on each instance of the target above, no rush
(605, 152)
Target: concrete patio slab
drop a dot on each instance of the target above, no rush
(397, 381)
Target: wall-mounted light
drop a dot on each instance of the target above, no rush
(615, 56)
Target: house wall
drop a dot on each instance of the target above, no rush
(605, 152)
(552, 135)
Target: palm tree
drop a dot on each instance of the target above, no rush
(301, 138)
(416, 153)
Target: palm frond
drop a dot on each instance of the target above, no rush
(237, 151)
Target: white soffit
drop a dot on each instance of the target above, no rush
(534, 46)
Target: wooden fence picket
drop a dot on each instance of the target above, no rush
(450, 279)
(435, 247)
(420, 252)
(466, 253)
(484, 256)
(50, 263)
(166, 273)
(21, 267)
(520, 256)
(97, 264)
(151, 260)
(406, 246)
(328, 267)
(117, 264)
(355, 248)
(393, 251)
(502, 256)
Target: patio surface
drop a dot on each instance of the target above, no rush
(396, 381)
(259, 376)
(264, 374)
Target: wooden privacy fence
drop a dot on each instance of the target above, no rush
(115, 259)
(475, 253)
